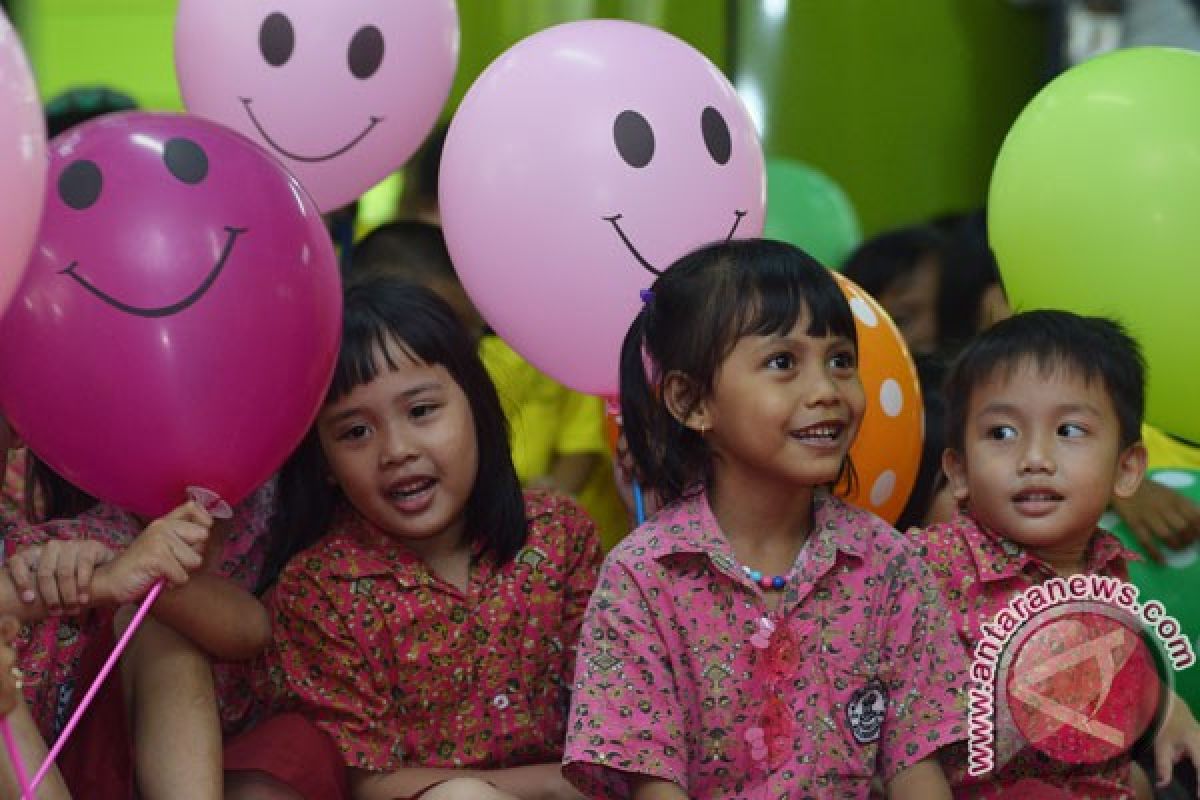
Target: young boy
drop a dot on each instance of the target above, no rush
(1043, 413)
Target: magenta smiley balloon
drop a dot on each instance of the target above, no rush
(581, 163)
(178, 322)
(342, 93)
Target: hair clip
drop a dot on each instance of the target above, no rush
(647, 295)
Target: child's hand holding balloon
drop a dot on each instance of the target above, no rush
(170, 549)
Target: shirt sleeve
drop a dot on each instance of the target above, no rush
(318, 668)
(625, 713)
(583, 561)
(928, 681)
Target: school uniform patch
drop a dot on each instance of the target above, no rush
(866, 711)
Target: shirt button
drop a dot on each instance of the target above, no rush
(500, 701)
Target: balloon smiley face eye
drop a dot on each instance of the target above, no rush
(634, 138)
(186, 160)
(366, 52)
(716, 135)
(276, 39)
(79, 185)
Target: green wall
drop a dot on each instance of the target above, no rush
(903, 102)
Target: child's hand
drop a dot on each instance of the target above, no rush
(1156, 513)
(62, 571)
(170, 548)
(1180, 735)
(10, 685)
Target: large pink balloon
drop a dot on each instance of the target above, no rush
(22, 161)
(583, 161)
(179, 319)
(341, 92)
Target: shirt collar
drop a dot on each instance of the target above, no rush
(692, 529)
(997, 558)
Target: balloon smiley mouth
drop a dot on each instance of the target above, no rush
(615, 220)
(246, 101)
(161, 311)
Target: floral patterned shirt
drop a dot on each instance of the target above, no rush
(979, 572)
(685, 674)
(403, 669)
(49, 651)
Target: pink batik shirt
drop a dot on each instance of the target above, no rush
(686, 674)
(979, 572)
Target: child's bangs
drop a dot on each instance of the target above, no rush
(782, 299)
(366, 351)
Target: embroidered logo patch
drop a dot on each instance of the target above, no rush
(866, 711)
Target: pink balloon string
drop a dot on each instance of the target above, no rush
(126, 637)
(14, 756)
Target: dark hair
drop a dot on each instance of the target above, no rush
(1093, 347)
(412, 250)
(970, 269)
(696, 312)
(881, 260)
(49, 496)
(82, 103)
(379, 312)
(420, 192)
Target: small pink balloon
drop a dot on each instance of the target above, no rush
(583, 161)
(22, 161)
(179, 320)
(342, 93)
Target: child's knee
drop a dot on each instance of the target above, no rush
(465, 789)
(255, 785)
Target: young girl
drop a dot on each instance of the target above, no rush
(431, 630)
(757, 637)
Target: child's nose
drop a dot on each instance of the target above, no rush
(397, 447)
(1036, 457)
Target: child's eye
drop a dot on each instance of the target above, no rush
(1001, 432)
(422, 410)
(781, 361)
(353, 433)
(1071, 431)
(844, 360)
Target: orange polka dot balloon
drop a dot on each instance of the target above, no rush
(887, 452)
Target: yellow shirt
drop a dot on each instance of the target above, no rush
(546, 420)
(1165, 451)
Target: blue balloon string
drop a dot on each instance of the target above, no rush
(639, 503)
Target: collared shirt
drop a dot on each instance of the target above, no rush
(672, 678)
(403, 669)
(980, 572)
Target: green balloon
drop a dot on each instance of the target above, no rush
(1173, 583)
(806, 208)
(1094, 207)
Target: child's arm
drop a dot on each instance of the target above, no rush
(656, 789)
(924, 780)
(1180, 735)
(533, 782)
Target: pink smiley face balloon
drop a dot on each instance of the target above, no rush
(179, 319)
(22, 160)
(341, 93)
(581, 163)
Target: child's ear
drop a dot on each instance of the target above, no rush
(955, 467)
(1131, 468)
(681, 396)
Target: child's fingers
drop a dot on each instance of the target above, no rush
(47, 577)
(193, 512)
(8, 629)
(192, 534)
(1165, 756)
(1148, 542)
(186, 555)
(87, 569)
(67, 575)
(21, 567)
